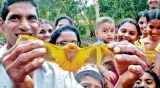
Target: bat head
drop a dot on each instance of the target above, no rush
(71, 49)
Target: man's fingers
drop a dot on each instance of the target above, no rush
(21, 49)
(30, 67)
(28, 57)
(136, 69)
(123, 61)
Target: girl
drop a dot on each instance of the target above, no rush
(142, 22)
(149, 79)
(129, 30)
(149, 43)
(62, 20)
(46, 30)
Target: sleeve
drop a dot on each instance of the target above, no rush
(158, 48)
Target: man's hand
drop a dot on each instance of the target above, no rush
(130, 61)
(20, 60)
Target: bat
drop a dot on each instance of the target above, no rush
(71, 57)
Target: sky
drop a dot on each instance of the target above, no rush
(89, 2)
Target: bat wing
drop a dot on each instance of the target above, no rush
(98, 55)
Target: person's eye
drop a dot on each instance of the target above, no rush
(14, 18)
(85, 86)
(75, 42)
(138, 82)
(50, 30)
(42, 32)
(132, 33)
(32, 18)
(123, 31)
(141, 23)
(149, 83)
(151, 27)
(62, 43)
(104, 31)
(112, 30)
(158, 27)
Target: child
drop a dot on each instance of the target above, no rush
(105, 30)
(90, 77)
(142, 22)
(128, 29)
(149, 43)
(46, 30)
(149, 79)
(153, 4)
(62, 20)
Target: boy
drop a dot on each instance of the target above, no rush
(105, 30)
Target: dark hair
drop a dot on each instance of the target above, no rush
(58, 32)
(7, 3)
(90, 73)
(132, 21)
(45, 21)
(153, 14)
(154, 75)
(142, 14)
(2, 43)
(63, 16)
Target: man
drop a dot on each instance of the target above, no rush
(17, 60)
(20, 17)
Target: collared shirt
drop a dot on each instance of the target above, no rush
(49, 75)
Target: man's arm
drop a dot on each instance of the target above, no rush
(19, 61)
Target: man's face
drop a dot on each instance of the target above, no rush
(22, 19)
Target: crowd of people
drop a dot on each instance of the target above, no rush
(135, 43)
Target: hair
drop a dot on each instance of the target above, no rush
(2, 43)
(154, 75)
(58, 32)
(153, 14)
(103, 20)
(63, 16)
(45, 21)
(132, 21)
(142, 14)
(90, 73)
(7, 3)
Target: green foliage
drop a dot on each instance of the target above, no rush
(120, 9)
(2, 37)
(84, 16)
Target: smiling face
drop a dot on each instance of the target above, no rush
(153, 4)
(106, 32)
(153, 28)
(142, 24)
(146, 80)
(22, 19)
(128, 32)
(45, 32)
